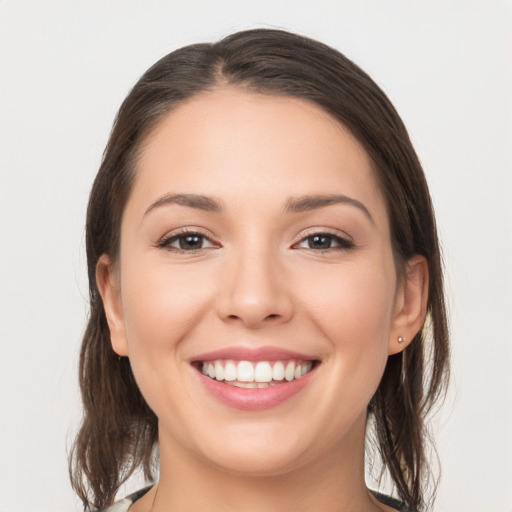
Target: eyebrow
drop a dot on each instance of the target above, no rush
(293, 204)
(308, 203)
(200, 202)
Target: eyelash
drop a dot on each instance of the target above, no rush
(167, 241)
(342, 243)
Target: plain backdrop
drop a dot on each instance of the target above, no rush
(65, 67)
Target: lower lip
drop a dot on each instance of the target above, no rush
(254, 399)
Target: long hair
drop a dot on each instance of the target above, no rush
(119, 431)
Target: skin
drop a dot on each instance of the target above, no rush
(257, 282)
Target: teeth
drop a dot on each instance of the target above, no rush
(246, 385)
(219, 371)
(255, 375)
(278, 371)
(245, 372)
(306, 367)
(289, 373)
(229, 371)
(263, 372)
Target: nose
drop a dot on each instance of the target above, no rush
(254, 291)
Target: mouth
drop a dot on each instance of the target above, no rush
(255, 374)
(252, 379)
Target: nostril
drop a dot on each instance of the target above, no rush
(253, 310)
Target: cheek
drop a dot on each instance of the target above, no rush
(351, 300)
(161, 307)
(353, 308)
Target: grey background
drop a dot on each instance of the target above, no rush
(65, 66)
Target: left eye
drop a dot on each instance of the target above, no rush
(324, 241)
(186, 242)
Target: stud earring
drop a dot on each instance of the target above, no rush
(401, 339)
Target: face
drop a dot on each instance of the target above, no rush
(256, 293)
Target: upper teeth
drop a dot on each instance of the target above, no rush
(261, 371)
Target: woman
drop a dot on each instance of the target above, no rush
(266, 288)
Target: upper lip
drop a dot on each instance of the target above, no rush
(240, 353)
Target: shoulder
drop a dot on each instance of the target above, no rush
(124, 504)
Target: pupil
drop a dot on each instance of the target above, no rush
(190, 242)
(319, 242)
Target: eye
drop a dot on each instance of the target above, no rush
(187, 241)
(324, 242)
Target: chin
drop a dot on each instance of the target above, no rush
(258, 464)
(269, 453)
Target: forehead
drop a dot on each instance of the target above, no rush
(232, 143)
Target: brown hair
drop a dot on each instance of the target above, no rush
(119, 431)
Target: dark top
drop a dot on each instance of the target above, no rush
(124, 504)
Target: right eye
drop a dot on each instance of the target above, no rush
(186, 242)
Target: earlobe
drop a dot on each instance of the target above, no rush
(410, 304)
(108, 286)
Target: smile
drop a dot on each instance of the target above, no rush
(250, 379)
(255, 375)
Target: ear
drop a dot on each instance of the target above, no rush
(410, 304)
(107, 281)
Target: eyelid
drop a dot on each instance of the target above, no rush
(347, 240)
(165, 240)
